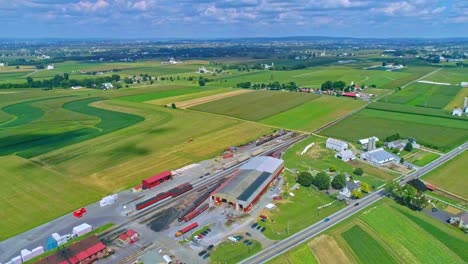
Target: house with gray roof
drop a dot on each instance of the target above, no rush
(378, 156)
(350, 186)
(461, 219)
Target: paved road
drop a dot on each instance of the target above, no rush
(315, 229)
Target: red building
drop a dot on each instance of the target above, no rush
(156, 179)
(85, 251)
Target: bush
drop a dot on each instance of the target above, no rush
(356, 194)
(359, 171)
(365, 187)
(305, 179)
(409, 146)
(173, 106)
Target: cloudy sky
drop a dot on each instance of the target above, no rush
(232, 18)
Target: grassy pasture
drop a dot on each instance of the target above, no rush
(313, 114)
(457, 100)
(409, 109)
(451, 176)
(257, 105)
(366, 248)
(421, 157)
(161, 94)
(124, 157)
(232, 252)
(31, 195)
(451, 75)
(300, 255)
(441, 133)
(189, 96)
(424, 95)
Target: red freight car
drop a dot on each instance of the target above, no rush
(180, 189)
(153, 200)
(196, 212)
(156, 179)
(186, 229)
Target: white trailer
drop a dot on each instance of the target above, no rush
(108, 200)
(82, 229)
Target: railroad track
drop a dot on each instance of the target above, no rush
(198, 186)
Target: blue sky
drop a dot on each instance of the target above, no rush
(232, 18)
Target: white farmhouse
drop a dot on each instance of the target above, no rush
(345, 155)
(457, 112)
(50, 67)
(336, 144)
(107, 86)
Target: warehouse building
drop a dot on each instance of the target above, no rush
(378, 156)
(247, 185)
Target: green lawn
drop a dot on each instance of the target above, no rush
(421, 158)
(257, 105)
(31, 195)
(440, 133)
(314, 114)
(451, 176)
(233, 252)
(366, 248)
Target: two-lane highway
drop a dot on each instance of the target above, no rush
(317, 228)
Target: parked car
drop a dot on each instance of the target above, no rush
(249, 243)
(208, 229)
(254, 225)
(246, 241)
(206, 256)
(205, 233)
(434, 209)
(248, 234)
(201, 253)
(258, 227)
(239, 238)
(200, 236)
(232, 239)
(263, 229)
(210, 247)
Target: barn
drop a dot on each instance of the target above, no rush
(246, 186)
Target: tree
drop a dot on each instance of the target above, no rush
(356, 194)
(339, 182)
(66, 76)
(365, 187)
(173, 106)
(359, 171)
(391, 188)
(305, 179)
(402, 160)
(326, 85)
(322, 181)
(201, 82)
(340, 85)
(409, 146)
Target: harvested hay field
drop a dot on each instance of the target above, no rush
(207, 99)
(327, 251)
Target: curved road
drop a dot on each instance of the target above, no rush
(284, 245)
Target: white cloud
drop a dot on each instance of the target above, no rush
(87, 6)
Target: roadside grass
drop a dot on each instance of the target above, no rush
(434, 132)
(421, 157)
(121, 159)
(448, 199)
(31, 195)
(365, 247)
(71, 242)
(196, 233)
(451, 176)
(257, 105)
(299, 255)
(314, 114)
(233, 252)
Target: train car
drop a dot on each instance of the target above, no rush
(180, 189)
(196, 212)
(153, 200)
(186, 229)
(197, 202)
(156, 180)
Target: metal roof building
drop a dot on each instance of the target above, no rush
(378, 156)
(336, 144)
(246, 186)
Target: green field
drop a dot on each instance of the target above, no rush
(232, 252)
(31, 195)
(420, 157)
(451, 176)
(435, 132)
(424, 95)
(314, 114)
(161, 94)
(300, 255)
(374, 236)
(409, 109)
(453, 75)
(257, 105)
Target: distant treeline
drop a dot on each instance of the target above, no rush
(291, 86)
(62, 81)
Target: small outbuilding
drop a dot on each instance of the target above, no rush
(345, 155)
(457, 112)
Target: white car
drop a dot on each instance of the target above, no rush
(232, 239)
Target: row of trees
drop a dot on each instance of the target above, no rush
(61, 81)
(406, 195)
(291, 86)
